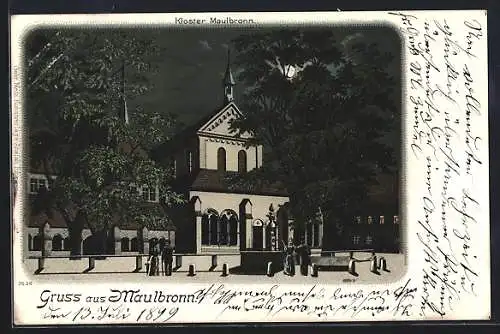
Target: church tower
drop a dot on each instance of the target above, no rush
(228, 81)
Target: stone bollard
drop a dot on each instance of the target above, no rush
(41, 264)
(314, 272)
(138, 263)
(91, 264)
(178, 261)
(352, 267)
(373, 265)
(382, 264)
(224, 269)
(270, 269)
(192, 270)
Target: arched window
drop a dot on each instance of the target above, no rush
(134, 245)
(258, 234)
(214, 233)
(242, 161)
(57, 242)
(223, 233)
(233, 230)
(221, 159)
(125, 244)
(205, 230)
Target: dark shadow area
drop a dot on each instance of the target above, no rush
(376, 272)
(38, 271)
(212, 268)
(252, 271)
(333, 268)
(355, 274)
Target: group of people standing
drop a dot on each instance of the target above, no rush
(163, 258)
(302, 252)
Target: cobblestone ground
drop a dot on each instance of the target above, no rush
(120, 270)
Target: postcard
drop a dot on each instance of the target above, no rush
(250, 167)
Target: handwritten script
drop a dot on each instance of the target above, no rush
(159, 306)
(446, 147)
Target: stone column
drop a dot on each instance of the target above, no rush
(46, 239)
(195, 209)
(246, 224)
(117, 236)
(144, 240)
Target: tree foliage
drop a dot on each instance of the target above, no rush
(322, 109)
(79, 84)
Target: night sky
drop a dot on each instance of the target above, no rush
(193, 61)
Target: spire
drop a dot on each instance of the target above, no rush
(124, 98)
(228, 80)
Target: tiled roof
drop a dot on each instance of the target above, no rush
(56, 220)
(217, 181)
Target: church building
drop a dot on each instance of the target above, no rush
(223, 217)
(219, 217)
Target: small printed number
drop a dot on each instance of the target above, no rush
(25, 283)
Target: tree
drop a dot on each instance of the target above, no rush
(322, 109)
(84, 127)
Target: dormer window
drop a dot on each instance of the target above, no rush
(221, 159)
(242, 161)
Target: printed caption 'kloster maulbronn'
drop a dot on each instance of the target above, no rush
(213, 20)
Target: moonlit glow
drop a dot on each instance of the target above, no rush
(290, 71)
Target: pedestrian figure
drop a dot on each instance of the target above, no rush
(289, 265)
(154, 265)
(167, 257)
(304, 253)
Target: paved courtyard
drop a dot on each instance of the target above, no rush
(121, 269)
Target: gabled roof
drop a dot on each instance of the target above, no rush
(214, 123)
(220, 123)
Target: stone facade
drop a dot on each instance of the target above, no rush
(49, 240)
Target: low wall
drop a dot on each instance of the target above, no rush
(126, 264)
